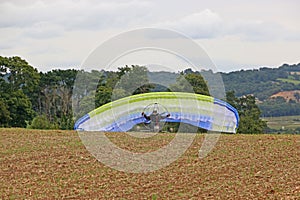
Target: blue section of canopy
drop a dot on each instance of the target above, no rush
(81, 121)
(230, 107)
(125, 124)
(128, 122)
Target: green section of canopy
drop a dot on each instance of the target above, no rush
(151, 96)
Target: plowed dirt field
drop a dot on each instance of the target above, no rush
(55, 164)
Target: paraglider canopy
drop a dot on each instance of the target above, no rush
(198, 110)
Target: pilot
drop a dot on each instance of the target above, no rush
(155, 118)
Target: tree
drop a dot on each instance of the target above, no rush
(4, 114)
(103, 95)
(55, 96)
(122, 71)
(20, 109)
(18, 85)
(297, 96)
(132, 81)
(190, 82)
(125, 82)
(249, 113)
(41, 122)
(232, 99)
(20, 75)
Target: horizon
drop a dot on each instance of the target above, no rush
(115, 68)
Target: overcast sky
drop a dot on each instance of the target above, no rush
(236, 34)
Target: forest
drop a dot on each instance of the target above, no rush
(45, 100)
(265, 82)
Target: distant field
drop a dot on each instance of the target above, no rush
(54, 164)
(285, 122)
(296, 82)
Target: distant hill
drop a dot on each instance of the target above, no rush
(162, 79)
(276, 89)
(263, 82)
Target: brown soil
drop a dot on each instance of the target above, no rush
(54, 165)
(287, 95)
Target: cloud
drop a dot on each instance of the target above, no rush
(208, 24)
(57, 32)
(9, 38)
(81, 14)
(258, 30)
(204, 24)
(43, 30)
(42, 19)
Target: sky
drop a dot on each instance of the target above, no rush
(236, 34)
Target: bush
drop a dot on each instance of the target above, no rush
(66, 123)
(41, 122)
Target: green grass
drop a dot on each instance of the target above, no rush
(283, 122)
(296, 82)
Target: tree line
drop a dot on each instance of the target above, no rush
(263, 82)
(27, 93)
(46, 100)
